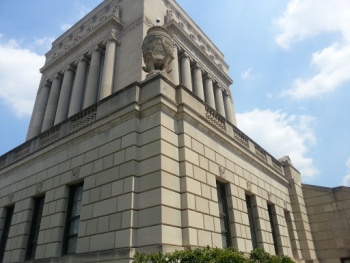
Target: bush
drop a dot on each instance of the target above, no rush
(211, 255)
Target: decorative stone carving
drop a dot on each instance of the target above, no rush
(222, 171)
(84, 118)
(116, 11)
(75, 174)
(21, 151)
(10, 197)
(249, 186)
(49, 136)
(39, 187)
(157, 49)
(215, 118)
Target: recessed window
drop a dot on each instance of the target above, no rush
(35, 227)
(73, 219)
(224, 218)
(251, 218)
(273, 224)
(5, 231)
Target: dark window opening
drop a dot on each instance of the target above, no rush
(5, 232)
(251, 219)
(73, 219)
(35, 227)
(272, 217)
(224, 218)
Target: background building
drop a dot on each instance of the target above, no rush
(120, 159)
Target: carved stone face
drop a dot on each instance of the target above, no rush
(157, 49)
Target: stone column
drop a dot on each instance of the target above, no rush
(66, 90)
(229, 110)
(52, 103)
(186, 79)
(108, 69)
(209, 92)
(93, 80)
(219, 100)
(198, 82)
(37, 119)
(78, 88)
(174, 74)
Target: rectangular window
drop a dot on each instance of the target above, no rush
(73, 219)
(224, 218)
(273, 222)
(345, 260)
(5, 232)
(251, 219)
(35, 227)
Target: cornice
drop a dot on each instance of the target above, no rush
(196, 53)
(196, 34)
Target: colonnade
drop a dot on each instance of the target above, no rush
(192, 76)
(75, 88)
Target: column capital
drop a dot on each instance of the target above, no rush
(185, 55)
(111, 38)
(208, 77)
(95, 49)
(219, 86)
(83, 58)
(48, 83)
(68, 68)
(56, 76)
(197, 66)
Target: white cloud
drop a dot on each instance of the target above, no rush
(346, 178)
(247, 74)
(282, 134)
(19, 77)
(44, 42)
(307, 19)
(65, 27)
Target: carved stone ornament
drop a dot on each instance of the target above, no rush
(157, 50)
(222, 171)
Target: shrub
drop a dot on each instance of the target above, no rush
(211, 255)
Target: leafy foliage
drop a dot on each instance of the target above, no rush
(211, 255)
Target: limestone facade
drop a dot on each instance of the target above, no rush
(329, 214)
(118, 160)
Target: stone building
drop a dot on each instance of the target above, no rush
(133, 146)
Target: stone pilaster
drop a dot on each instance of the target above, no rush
(78, 87)
(186, 79)
(299, 211)
(174, 74)
(108, 69)
(229, 109)
(209, 92)
(219, 100)
(198, 82)
(66, 90)
(39, 111)
(93, 78)
(52, 103)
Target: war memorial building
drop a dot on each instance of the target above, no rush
(133, 146)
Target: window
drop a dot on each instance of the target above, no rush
(272, 217)
(35, 227)
(223, 212)
(345, 260)
(251, 219)
(73, 219)
(5, 232)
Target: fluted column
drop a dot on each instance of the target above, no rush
(66, 90)
(39, 111)
(78, 88)
(209, 92)
(186, 79)
(219, 100)
(229, 110)
(198, 82)
(52, 103)
(108, 69)
(174, 74)
(93, 78)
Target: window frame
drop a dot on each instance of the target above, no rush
(71, 218)
(251, 218)
(6, 231)
(35, 227)
(224, 217)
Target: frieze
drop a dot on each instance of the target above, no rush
(183, 21)
(21, 151)
(261, 153)
(199, 56)
(87, 43)
(83, 119)
(136, 23)
(240, 137)
(276, 164)
(215, 118)
(49, 136)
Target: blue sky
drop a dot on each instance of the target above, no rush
(289, 59)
